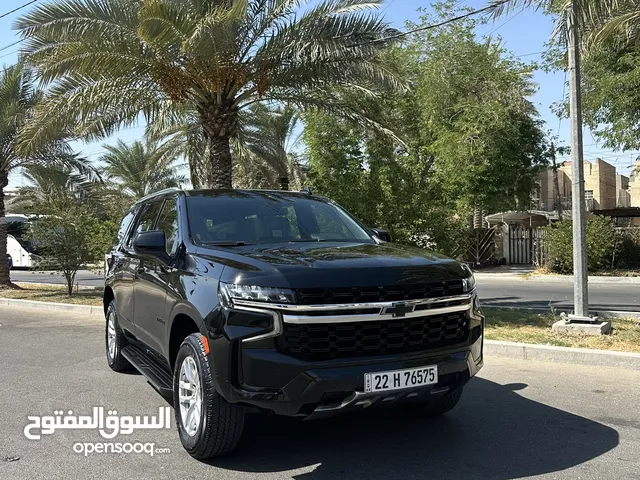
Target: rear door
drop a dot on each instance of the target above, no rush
(148, 284)
(120, 275)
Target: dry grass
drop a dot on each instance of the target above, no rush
(53, 293)
(545, 270)
(526, 327)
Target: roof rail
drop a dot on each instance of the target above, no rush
(158, 193)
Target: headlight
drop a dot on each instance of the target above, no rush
(468, 284)
(230, 292)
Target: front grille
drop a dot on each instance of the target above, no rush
(389, 293)
(324, 341)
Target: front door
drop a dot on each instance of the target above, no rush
(150, 285)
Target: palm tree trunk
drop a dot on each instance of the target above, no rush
(219, 123)
(220, 169)
(5, 280)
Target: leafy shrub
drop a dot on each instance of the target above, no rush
(601, 245)
(627, 254)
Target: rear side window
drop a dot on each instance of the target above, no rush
(124, 225)
(147, 220)
(168, 223)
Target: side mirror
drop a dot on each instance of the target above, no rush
(381, 234)
(151, 244)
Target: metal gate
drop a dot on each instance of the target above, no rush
(526, 246)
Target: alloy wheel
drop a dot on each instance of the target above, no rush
(190, 396)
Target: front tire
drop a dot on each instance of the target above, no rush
(115, 341)
(208, 425)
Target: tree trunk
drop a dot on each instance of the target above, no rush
(219, 124)
(477, 216)
(556, 184)
(220, 168)
(5, 279)
(70, 276)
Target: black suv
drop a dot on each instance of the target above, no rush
(231, 302)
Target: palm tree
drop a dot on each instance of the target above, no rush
(137, 170)
(106, 63)
(598, 20)
(269, 138)
(17, 100)
(52, 181)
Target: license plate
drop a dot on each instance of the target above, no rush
(399, 379)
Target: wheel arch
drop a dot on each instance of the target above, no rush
(107, 298)
(184, 322)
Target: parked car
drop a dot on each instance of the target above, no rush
(236, 302)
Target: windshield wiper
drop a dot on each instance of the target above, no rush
(227, 244)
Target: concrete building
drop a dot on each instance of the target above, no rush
(634, 186)
(604, 189)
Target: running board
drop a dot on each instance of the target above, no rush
(156, 374)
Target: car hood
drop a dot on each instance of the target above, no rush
(312, 264)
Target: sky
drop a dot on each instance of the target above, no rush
(524, 32)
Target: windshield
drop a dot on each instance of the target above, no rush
(232, 218)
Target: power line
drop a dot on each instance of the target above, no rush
(505, 22)
(443, 23)
(388, 5)
(18, 8)
(10, 53)
(10, 45)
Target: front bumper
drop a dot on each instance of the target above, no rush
(284, 385)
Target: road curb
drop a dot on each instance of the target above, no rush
(601, 313)
(593, 279)
(548, 353)
(49, 285)
(64, 307)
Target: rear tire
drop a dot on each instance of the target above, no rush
(208, 425)
(437, 407)
(115, 341)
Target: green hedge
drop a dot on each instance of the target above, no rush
(602, 244)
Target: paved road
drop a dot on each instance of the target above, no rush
(508, 291)
(83, 277)
(517, 420)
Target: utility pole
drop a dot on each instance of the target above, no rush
(580, 275)
(580, 321)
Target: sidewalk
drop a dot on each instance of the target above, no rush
(525, 274)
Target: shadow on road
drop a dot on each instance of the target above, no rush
(495, 433)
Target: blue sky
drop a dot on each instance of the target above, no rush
(523, 32)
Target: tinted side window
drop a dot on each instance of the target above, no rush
(124, 225)
(147, 220)
(168, 223)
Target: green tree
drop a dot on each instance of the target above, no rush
(17, 99)
(49, 181)
(139, 169)
(611, 98)
(267, 147)
(488, 138)
(69, 234)
(107, 63)
(468, 134)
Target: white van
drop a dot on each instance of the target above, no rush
(21, 256)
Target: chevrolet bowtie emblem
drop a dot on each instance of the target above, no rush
(398, 309)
